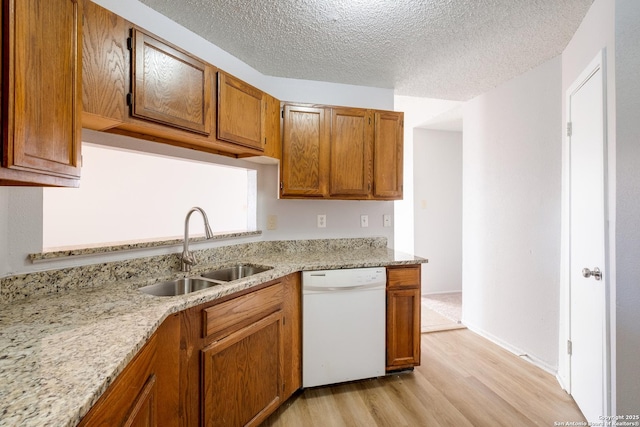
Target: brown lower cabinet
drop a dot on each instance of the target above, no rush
(403, 317)
(233, 361)
(230, 362)
(241, 355)
(146, 392)
(246, 367)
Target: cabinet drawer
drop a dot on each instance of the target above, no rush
(222, 319)
(403, 276)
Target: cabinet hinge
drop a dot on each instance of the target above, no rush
(569, 129)
(129, 99)
(569, 348)
(281, 185)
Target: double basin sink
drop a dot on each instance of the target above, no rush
(206, 280)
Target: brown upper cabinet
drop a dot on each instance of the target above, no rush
(168, 85)
(341, 153)
(351, 152)
(305, 152)
(41, 92)
(139, 85)
(271, 127)
(240, 109)
(105, 68)
(388, 159)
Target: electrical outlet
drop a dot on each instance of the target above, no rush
(364, 221)
(386, 220)
(322, 221)
(272, 222)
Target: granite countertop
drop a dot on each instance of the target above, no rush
(59, 352)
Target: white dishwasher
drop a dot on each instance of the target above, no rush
(343, 325)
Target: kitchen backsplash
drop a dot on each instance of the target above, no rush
(18, 287)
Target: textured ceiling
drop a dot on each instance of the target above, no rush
(447, 49)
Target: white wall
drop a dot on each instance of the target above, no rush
(417, 111)
(596, 32)
(148, 199)
(511, 213)
(22, 233)
(4, 228)
(627, 233)
(21, 215)
(437, 159)
(298, 218)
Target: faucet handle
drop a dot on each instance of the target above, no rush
(187, 260)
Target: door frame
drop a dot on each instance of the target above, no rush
(564, 371)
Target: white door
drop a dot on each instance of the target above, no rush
(587, 254)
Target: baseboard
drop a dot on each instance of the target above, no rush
(441, 292)
(562, 383)
(442, 328)
(518, 352)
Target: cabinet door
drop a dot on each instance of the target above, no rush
(169, 86)
(242, 375)
(403, 316)
(41, 89)
(388, 158)
(403, 328)
(292, 312)
(271, 127)
(143, 413)
(105, 67)
(239, 112)
(351, 140)
(132, 396)
(305, 152)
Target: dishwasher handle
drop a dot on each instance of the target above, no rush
(312, 288)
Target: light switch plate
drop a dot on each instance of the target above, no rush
(386, 220)
(322, 221)
(364, 221)
(272, 222)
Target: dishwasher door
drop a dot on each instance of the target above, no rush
(343, 316)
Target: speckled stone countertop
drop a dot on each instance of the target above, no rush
(60, 351)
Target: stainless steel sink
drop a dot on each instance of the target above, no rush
(235, 272)
(217, 277)
(178, 287)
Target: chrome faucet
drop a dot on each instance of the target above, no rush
(187, 259)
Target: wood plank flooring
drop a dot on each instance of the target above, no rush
(464, 380)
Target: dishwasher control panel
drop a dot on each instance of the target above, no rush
(345, 277)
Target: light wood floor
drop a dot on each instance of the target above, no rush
(464, 380)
